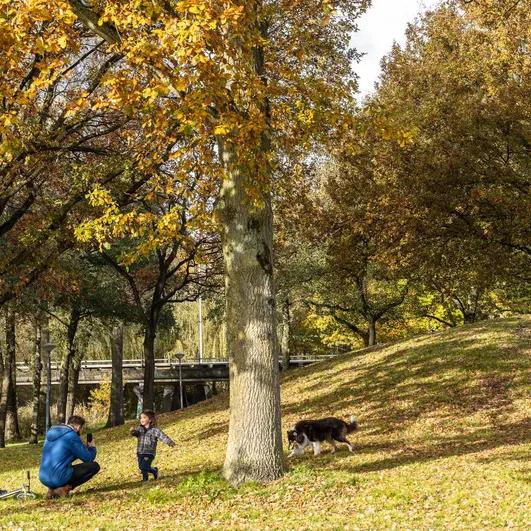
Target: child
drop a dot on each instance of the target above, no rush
(146, 447)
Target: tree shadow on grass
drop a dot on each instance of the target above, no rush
(20, 458)
(78, 499)
(526, 476)
(215, 404)
(88, 494)
(413, 381)
(212, 430)
(508, 435)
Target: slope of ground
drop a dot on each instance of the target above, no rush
(443, 443)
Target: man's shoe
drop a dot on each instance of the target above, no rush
(63, 491)
(51, 494)
(155, 473)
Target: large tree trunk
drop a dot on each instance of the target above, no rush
(73, 323)
(254, 449)
(11, 427)
(37, 370)
(149, 364)
(116, 415)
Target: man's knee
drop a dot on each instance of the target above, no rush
(94, 467)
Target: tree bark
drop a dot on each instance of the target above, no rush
(45, 354)
(12, 430)
(4, 384)
(469, 307)
(371, 339)
(116, 415)
(37, 371)
(284, 338)
(149, 364)
(73, 323)
(73, 378)
(254, 449)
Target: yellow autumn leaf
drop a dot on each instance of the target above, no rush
(221, 129)
(196, 9)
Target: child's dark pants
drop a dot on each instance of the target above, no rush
(144, 463)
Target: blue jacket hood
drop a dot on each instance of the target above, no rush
(55, 432)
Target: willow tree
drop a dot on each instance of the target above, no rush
(225, 90)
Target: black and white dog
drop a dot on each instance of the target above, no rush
(314, 432)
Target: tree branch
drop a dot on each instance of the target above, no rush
(91, 19)
(130, 280)
(442, 321)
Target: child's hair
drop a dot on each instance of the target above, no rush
(150, 414)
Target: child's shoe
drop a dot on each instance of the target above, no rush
(155, 473)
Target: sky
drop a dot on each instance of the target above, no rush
(382, 24)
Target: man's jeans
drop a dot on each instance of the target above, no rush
(83, 472)
(144, 463)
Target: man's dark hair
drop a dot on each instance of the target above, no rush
(76, 420)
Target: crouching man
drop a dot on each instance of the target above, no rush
(63, 445)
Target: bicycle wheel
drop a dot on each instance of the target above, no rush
(25, 496)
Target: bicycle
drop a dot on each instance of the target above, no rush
(22, 493)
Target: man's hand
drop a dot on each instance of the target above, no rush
(172, 445)
(91, 444)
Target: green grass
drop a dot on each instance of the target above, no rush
(443, 444)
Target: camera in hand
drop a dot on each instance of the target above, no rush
(89, 438)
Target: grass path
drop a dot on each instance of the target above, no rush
(444, 443)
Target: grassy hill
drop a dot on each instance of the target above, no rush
(443, 443)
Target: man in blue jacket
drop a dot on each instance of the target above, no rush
(61, 448)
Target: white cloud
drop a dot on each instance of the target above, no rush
(384, 23)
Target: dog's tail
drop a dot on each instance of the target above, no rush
(353, 424)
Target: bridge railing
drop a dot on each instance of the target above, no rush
(172, 362)
(159, 362)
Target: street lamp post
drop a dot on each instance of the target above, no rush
(180, 356)
(200, 330)
(48, 347)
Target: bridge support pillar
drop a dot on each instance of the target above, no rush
(167, 397)
(139, 392)
(208, 391)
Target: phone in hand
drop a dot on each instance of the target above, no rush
(89, 438)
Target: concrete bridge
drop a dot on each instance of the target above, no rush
(97, 371)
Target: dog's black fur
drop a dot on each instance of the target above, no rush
(314, 432)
